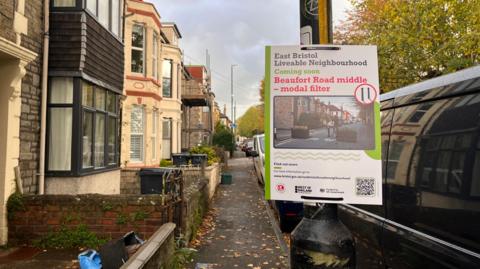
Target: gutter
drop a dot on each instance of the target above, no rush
(43, 115)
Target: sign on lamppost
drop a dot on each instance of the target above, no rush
(323, 124)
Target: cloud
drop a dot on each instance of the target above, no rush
(234, 32)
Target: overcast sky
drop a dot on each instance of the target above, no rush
(236, 32)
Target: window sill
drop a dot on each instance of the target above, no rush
(82, 173)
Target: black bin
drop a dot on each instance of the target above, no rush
(198, 159)
(152, 179)
(180, 159)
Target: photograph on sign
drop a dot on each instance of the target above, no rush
(322, 127)
(314, 122)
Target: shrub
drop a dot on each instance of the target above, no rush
(166, 163)
(209, 151)
(70, 237)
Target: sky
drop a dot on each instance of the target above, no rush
(236, 32)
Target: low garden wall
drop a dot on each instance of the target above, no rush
(34, 217)
(157, 252)
(108, 216)
(130, 178)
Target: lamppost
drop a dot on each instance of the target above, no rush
(232, 96)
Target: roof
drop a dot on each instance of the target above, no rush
(196, 71)
(175, 28)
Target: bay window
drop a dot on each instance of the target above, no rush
(138, 41)
(75, 104)
(108, 13)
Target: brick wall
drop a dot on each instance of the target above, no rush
(31, 96)
(7, 12)
(106, 215)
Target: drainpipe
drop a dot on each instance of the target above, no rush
(43, 124)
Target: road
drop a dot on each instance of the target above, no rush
(242, 234)
(319, 139)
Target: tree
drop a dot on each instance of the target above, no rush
(251, 122)
(261, 91)
(223, 137)
(417, 39)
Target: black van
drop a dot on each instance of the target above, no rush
(430, 217)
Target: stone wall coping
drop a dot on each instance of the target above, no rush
(137, 169)
(151, 246)
(140, 199)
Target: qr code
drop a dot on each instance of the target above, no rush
(365, 186)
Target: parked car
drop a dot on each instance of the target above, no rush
(289, 213)
(248, 148)
(430, 217)
(258, 155)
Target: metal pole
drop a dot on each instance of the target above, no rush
(313, 235)
(232, 115)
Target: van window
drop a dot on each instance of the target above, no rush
(433, 170)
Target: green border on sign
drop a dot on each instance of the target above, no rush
(267, 121)
(376, 153)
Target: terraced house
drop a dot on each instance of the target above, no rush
(151, 128)
(59, 97)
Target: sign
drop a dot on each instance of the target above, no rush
(322, 124)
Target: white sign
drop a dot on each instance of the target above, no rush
(323, 124)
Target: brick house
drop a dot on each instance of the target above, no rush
(152, 109)
(198, 100)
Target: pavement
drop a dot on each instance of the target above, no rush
(243, 233)
(319, 139)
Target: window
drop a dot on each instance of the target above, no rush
(60, 124)
(115, 13)
(421, 110)
(136, 133)
(155, 56)
(166, 138)
(92, 6)
(167, 78)
(154, 134)
(94, 113)
(99, 143)
(138, 40)
(64, 3)
(103, 13)
(444, 162)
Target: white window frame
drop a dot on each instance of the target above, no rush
(139, 134)
(142, 49)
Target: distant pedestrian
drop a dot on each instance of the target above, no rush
(335, 127)
(330, 127)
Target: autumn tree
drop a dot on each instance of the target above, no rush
(261, 91)
(251, 122)
(417, 39)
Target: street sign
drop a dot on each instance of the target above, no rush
(322, 124)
